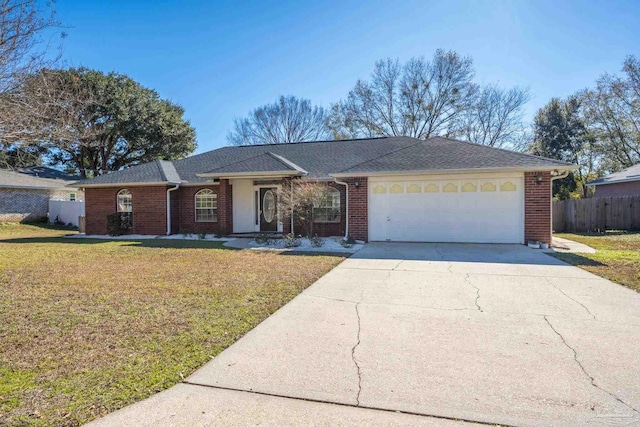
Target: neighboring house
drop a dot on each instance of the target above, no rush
(396, 188)
(25, 192)
(623, 183)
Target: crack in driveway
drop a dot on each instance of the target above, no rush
(467, 279)
(584, 371)
(572, 299)
(353, 357)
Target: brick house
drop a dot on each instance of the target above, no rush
(25, 192)
(619, 184)
(391, 188)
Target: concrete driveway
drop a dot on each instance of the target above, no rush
(426, 334)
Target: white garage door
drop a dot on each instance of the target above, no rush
(453, 208)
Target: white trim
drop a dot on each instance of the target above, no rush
(256, 188)
(199, 184)
(195, 208)
(451, 171)
(169, 190)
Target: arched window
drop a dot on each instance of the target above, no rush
(124, 201)
(206, 206)
(329, 209)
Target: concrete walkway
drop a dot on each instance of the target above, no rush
(426, 334)
(569, 246)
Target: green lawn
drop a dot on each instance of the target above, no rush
(89, 326)
(617, 256)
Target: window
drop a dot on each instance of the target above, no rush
(72, 197)
(206, 206)
(329, 210)
(125, 201)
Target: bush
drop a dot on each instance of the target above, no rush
(119, 223)
(348, 242)
(263, 239)
(316, 241)
(202, 236)
(291, 241)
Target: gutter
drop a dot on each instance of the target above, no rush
(169, 207)
(346, 216)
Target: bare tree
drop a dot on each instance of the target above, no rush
(613, 111)
(421, 98)
(496, 118)
(22, 52)
(289, 119)
(47, 109)
(300, 198)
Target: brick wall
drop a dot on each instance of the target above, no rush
(186, 197)
(322, 229)
(149, 209)
(187, 211)
(537, 207)
(18, 205)
(358, 208)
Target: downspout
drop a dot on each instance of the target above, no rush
(346, 206)
(291, 181)
(553, 178)
(169, 207)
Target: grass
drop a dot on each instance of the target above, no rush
(91, 326)
(617, 256)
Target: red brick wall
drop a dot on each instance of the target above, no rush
(149, 209)
(187, 211)
(621, 189)
(537, 207)
(358, 208)
(322, 229)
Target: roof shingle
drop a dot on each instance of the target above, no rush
(322, 159)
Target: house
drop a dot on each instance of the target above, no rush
(623, 183)
(391, 188)
(25, 192)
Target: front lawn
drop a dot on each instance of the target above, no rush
(617, 256)
(89, 326)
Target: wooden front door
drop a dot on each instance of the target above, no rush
(268, 210)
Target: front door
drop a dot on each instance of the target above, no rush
(268, 210)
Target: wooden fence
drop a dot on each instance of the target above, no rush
(597, 214)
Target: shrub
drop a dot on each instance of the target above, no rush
(291, 241)
(316, 241)
(202, 236)
(119, 223)
(263, 239)
(348, 242)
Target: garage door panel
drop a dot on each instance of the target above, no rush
(475, 209)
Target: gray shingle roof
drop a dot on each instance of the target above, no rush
(629, 174)
(444, 154)
(36, 177)
(265, 162)
(322, 159)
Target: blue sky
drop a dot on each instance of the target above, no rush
(220, 59)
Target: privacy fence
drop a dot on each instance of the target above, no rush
(597, 214)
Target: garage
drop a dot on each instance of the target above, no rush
(447, 208)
